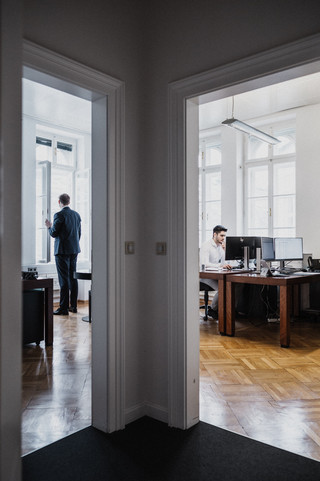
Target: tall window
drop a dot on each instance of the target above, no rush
(56, 166)
(209, 187)
(271, 185)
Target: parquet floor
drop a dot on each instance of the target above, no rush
(56, 383)
(252, 386)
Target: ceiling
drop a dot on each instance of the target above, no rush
(262, 102)
(55, 107)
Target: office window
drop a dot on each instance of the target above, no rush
(209, 187)
(271, 186)
(56, 168)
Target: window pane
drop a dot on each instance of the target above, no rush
(65, 154)
(258, 181)
(213, 186)
(287, 144)
(284, 178)
(213, 155)
(258, 232)
(284, 232)
(61, 182)
(257, 149)
(213, 217)
(43, 149)
(284, 212)
(258, 213)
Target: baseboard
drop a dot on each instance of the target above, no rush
(146, 409)
(157, 412)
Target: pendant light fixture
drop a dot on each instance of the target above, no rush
(248, 129)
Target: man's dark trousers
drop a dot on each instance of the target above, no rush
(66, 266)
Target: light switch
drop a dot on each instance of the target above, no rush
(161, 248)
(129, 247)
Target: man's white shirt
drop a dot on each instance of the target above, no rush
(212, 254)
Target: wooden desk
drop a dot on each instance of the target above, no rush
(220, 276)
(46, 284)
(289, 303)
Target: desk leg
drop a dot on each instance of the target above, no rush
(48, 316)
(230, 308)
(222, 306)
(296, 300)
(285, 304)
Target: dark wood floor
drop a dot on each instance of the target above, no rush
(56, 383)
(252, 386)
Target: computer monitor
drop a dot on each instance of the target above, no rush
(235, 245)
(288, 248)
(267, 249)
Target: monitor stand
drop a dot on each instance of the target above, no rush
(281, 266)
(246, 257)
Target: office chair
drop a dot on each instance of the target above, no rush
(204, 287)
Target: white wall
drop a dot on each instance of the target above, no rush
(308, 175)
(28, 192)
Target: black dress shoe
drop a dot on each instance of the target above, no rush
(212, 313)
(73, 309)
(61, 312)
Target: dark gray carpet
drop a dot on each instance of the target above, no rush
(147, 450)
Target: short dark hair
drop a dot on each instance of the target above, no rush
(219, 228)
(64, 199)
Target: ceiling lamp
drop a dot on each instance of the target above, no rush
(248, 129)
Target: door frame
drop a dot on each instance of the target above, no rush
(273, 66)
(107, 97)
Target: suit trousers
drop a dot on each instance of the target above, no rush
(66, 265)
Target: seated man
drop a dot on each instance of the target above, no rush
(212, 254)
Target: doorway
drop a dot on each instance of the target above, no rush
(56, 158)
(106, 95)
(232, 79)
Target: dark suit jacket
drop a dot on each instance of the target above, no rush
(66, 229)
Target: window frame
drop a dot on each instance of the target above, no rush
(270, 161)
(204, 170)
(55, 136)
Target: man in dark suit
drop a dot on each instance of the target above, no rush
(66, 230)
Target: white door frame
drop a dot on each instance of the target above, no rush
(274, 66)
(107, 96)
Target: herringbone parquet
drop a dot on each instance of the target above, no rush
(252, 386)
